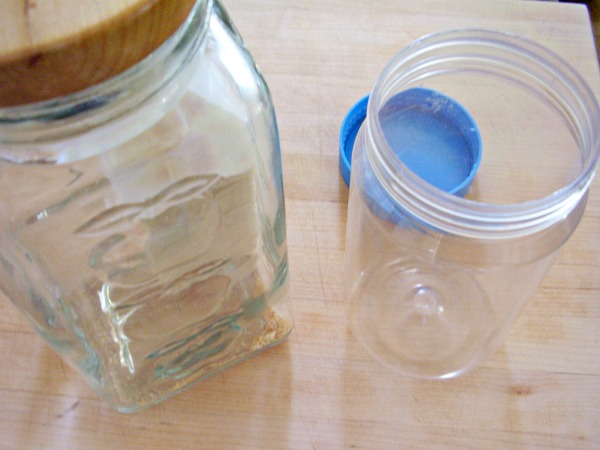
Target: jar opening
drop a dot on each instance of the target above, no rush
(68, 54)
(536, 116)
(75, 113)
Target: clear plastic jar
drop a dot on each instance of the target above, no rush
(142, 223)
(434, 280)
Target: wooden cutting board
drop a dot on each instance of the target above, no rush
(50, 48)
(320, 389)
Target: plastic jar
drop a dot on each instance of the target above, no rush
(142, 223)
(434, 280)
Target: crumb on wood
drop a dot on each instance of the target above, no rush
(276, 327)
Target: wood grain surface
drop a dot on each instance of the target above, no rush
(320, 389)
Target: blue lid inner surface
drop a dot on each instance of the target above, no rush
(431, 134)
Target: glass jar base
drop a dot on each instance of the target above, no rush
(275, 329)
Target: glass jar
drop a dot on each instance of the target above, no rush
(435, 280)
(142, 222)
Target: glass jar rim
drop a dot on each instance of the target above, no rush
(95, 96)
(464, 216)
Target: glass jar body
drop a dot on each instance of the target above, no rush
(143, 222)
(434, 281)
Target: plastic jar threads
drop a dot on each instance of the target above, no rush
(142, 224)
(434, 280)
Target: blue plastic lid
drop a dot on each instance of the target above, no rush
(429, 132)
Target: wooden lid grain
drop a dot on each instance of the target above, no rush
(50, 48)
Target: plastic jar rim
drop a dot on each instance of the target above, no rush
(463, 216)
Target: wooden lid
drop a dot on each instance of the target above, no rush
(50, 48)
